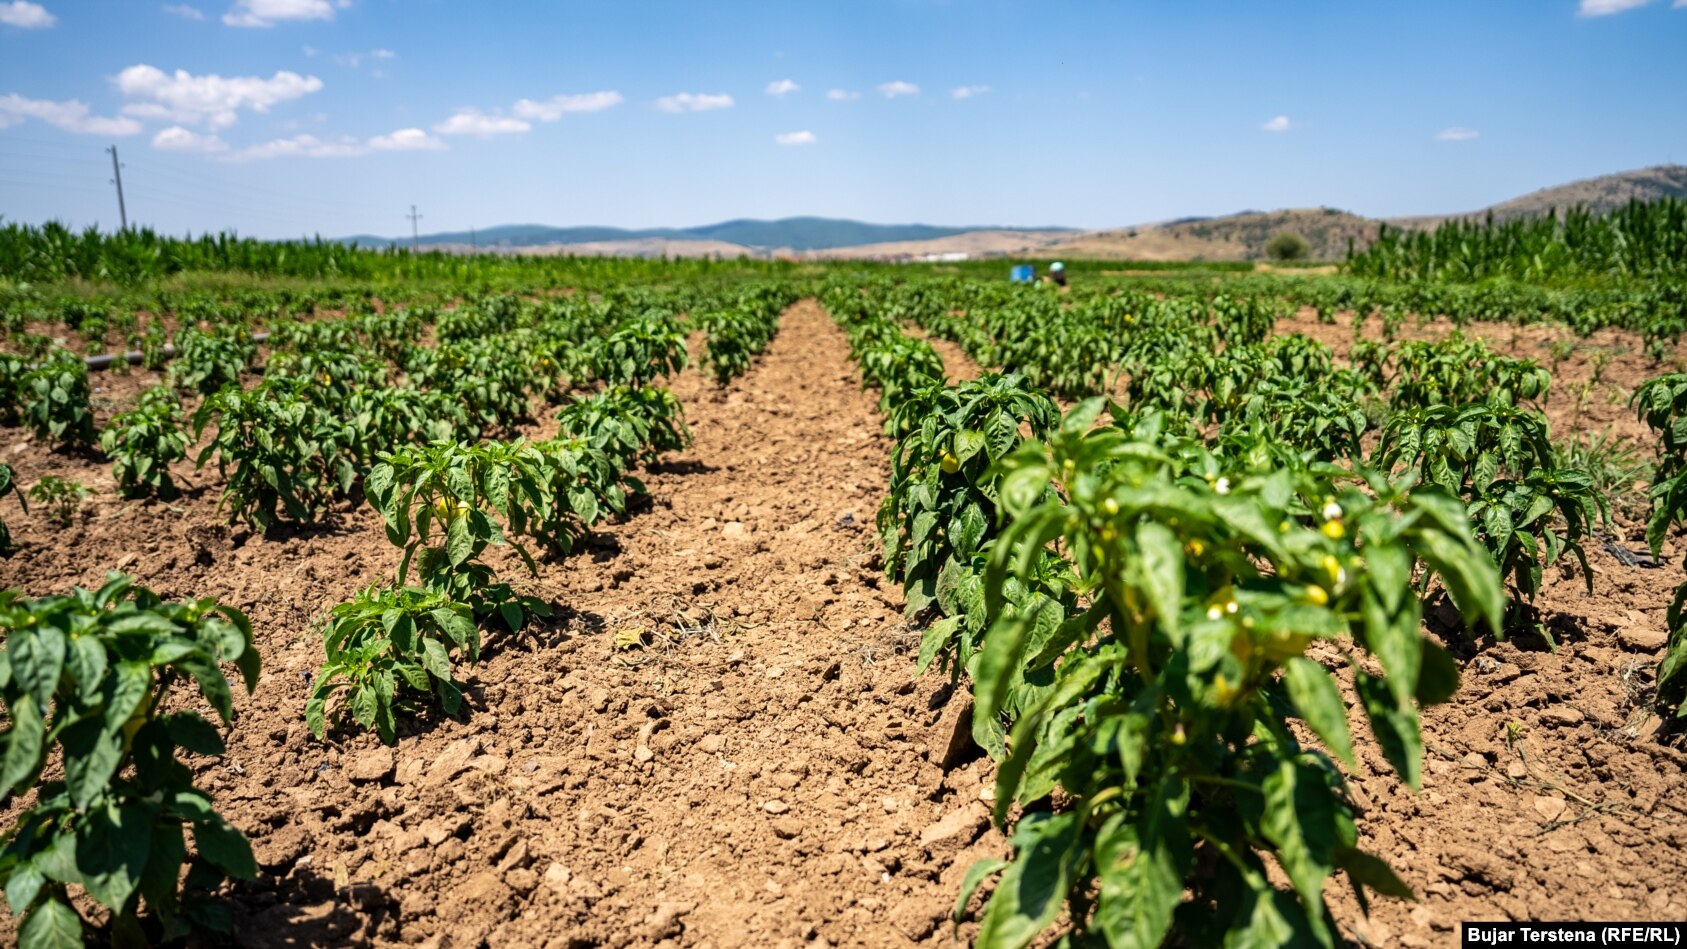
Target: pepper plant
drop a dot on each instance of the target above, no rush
(1158, 715)
(640, 349)
(1499, 459)
(98, 681)
(144, 442)
(442, 505)
(60, 498)
(55, 397)
(1662, 405)
(941, 507)
(278, 451)
(384, 645)
(9, 485)
(630, 425)
(735, 337)
(205, 362)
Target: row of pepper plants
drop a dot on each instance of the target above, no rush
(95, 682)
(1133, 601)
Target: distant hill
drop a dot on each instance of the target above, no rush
(796, 234)
(1605, 193)
(1240, 236)
(1233, 237)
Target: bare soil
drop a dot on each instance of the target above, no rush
(764, 768)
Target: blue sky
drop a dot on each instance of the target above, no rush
(285, 117)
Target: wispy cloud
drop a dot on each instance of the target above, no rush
(1608, 7)
(184, 11)
(804, 137)
(406, 140)
(475, 122)
(1278, 124)
(177, 139)
(694, 102)
(549, 110)
(26, 16)
(267, 13)
(782, 87)
(967, 92)
(891, 90)
(186, 99)
(842, 95)
(302, 146)
(70, 116)
(1456, 134)
(355, 60)
(310, 146)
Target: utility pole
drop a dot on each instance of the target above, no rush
(117, 179)
(415, 237)
(474, 240)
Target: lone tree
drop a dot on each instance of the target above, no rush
(1287, 245)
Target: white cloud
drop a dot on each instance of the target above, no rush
(549, 110)
(26, 16)
(266, 13)
(780, 87)
(406, 140)
(70, 115)
(382, 54)
(476, 122)
(209, 99)
(1278, 124)
(1456, 134)
(310, 146)
(842, 95)
(967, 92)
(177, 139)
(1608, 7)
(302, 146)
(804, 137)
(694, 102)
(184, 11)
(891, 90)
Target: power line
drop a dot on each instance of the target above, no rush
(44, 142)
(54, 186)
(415, 236)
(247, 191)
(211, 205)
(228, 198)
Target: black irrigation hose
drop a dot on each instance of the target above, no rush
(135, 358)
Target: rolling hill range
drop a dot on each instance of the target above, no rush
(1243, 236)
(1601, 194)
(795, 234)
(1233, 237)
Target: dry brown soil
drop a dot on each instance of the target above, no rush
(765, 769)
